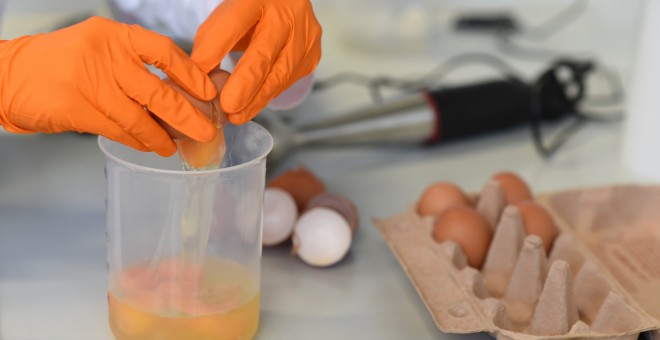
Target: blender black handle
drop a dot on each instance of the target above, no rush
(479, 109)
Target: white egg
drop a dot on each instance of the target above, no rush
(280, 214)
(321, 237)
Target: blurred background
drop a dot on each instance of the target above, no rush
(52, 187)
(380, 50)
(407, 39)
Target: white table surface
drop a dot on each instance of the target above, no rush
(52, 232)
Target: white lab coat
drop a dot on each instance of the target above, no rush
(179, 19)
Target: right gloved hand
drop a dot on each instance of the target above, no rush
(91, 77)
(281, 40)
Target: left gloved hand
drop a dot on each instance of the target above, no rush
(91, 77)
(282, 43)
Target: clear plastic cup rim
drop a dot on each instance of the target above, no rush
(101, 140)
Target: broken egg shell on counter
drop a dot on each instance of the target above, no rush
(440, 196)
(537, 221)
(465, 226)
(514, 187)
(279, 216)
(321, 237)
(339, 203)
(301, 183)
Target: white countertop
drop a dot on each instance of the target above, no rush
(52, 219)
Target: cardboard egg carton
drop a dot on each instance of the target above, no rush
(601, 279)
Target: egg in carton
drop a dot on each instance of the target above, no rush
(601, 278)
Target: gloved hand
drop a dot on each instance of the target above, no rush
(91, 77)
(282, 43)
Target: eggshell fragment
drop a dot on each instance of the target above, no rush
(321, 237)
(537, 221)
(301, 183)
(440, 196)
(218, 78)
(198, 155)
(279, 216)
(340, 204)
(465, 226)
(515, 189)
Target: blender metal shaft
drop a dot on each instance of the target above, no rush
(413, 126)
(407, 120)
(414, 101)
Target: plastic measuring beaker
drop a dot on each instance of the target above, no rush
(184, 247)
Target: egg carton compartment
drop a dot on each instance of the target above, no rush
(601, 278)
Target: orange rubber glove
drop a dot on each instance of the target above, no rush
(282, 43)
(91, 77)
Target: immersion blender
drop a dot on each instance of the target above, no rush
(430, 117)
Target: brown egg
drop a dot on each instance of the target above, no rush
(515, 189)
(537, 221)
(301, 183)
(218, 78)
(194, 154)
(338, 203)
(440, 196)
(465, 226)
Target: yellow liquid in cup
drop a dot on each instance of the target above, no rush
(174, 300)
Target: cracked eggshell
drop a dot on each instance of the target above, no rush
(209, 154)
(339, 203)
(321, 237)
(280, 214)
(301, 183)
